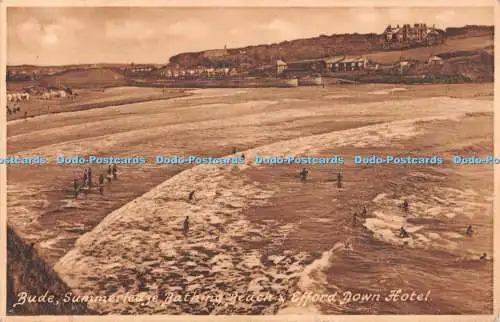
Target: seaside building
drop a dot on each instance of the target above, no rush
(407, 33)
(349, 64)
(435, 60)
(281, 66)
(323, 65)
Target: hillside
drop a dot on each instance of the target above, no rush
(465, 67)
(84, 78)
(310, 48)
(74, 76)
(27, 272)
(452, 47)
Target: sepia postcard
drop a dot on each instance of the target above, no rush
(239, 161)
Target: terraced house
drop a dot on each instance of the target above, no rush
(323, 65)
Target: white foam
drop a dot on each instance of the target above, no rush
(453, 235)
(292, 100)
(379, 197)
(433, 203)
(312, 278)
(212, 93)
(336, 96)
(307, 281)
(387, 91)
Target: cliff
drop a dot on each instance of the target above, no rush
(27, 272)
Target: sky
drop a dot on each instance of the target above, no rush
(60, 36)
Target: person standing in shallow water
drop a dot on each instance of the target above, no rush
(75, 187)
(354, 218)
(89, 173)
(109, 173)
(303, 174)
(191, 195)
(101, 184)
(85, 177)
(405, 206)
(469, 231)
(186, 225)
(115, 172)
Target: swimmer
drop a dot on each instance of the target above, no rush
(469, 231)
(191, 195)
(403, 233)
(405, 206)
(303, 174)
(186, 225)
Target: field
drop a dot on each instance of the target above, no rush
(258, 229)
(424, 53)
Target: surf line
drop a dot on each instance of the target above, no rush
(312, 278)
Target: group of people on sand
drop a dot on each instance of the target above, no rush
(14, 109)
(86, 185)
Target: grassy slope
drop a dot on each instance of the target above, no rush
(317, 47)
(30, 274)
(423, 53)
